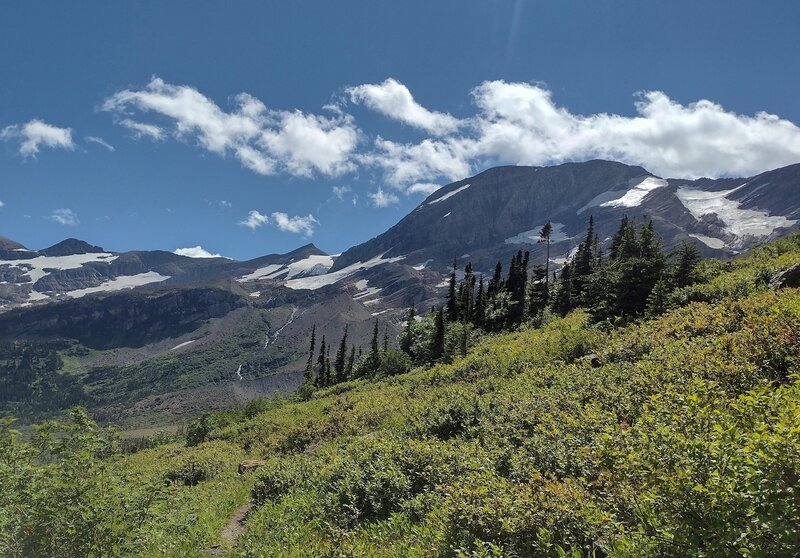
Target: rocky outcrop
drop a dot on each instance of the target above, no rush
(788, 278)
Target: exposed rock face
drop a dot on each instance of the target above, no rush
(492, 215)
(69, 247)
(121, 320)
(788, 278)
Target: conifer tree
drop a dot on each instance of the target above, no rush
(322, 380)
(308, 377)
(544, 237)
(385, 348)
(496, 283)
(685, 271)
(452, 298)
(479, 311)
(437, 349)
(340, 364)
(536, 292)
(657, 301)
(351, 362)
(407, 337)
(374, 355)
(562, 299)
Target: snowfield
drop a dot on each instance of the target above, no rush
(310, 266)
(630, 197)
(121, 283)
(738, 222)
(38, 267)
(319, 281)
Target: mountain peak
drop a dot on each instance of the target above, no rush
(70, 247)
(8, 244)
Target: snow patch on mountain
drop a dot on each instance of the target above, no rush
(449, 195)
(532, 236)
(121, 283)
(41, 266)
(738, 222)
(632, 196)
(319, 281)
(310, 266)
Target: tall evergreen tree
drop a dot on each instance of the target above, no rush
(544, 237)
(452, 298)
(308, 377)
(351, 361)
(374, 355)
(685, 270)
(322, 380)
(562, 299)
(536, 292)
(496, 282)
(340, 364)
(479, 311)
(437, 348)
(407, 337)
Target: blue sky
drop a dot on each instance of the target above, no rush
(165, 125)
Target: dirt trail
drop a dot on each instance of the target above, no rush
(231, 532)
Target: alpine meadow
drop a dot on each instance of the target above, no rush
(412, 280)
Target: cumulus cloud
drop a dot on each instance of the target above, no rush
(520, 123)
(254, 220)
(381, 198)
(297, 224)
(263, 140)
(100, 141)
(65, 216)
(393, 99)
(196, 252)
(141, 130)
(35, 134)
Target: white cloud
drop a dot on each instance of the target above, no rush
(141, 130)
(100, 141)
(426, 188)
(254, 220)
(393, 99)
(225, 204)
(340, 191)
(297, 224)
(36, 134)
(64, 216)
(2, 204)
(519, 123)
(380, 198)
(263, 140)
(196, 252)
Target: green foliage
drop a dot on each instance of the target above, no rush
(676, 436)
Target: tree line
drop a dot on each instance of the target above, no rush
(632, 279)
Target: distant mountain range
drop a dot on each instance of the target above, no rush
(152, 333)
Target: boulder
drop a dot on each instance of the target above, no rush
(788, 278)
(250, 465)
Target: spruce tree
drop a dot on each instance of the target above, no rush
(684, 273)
(562, 299)
(374, 355)
(536, 293)
(657, 301)
(437, 348)
(452, 298)
(351, 362)
(308, 377)
(544, 237)
(479, 311)
(407, 337)
(322, 380)
(340, 364)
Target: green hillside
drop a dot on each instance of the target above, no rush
(675, 436)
